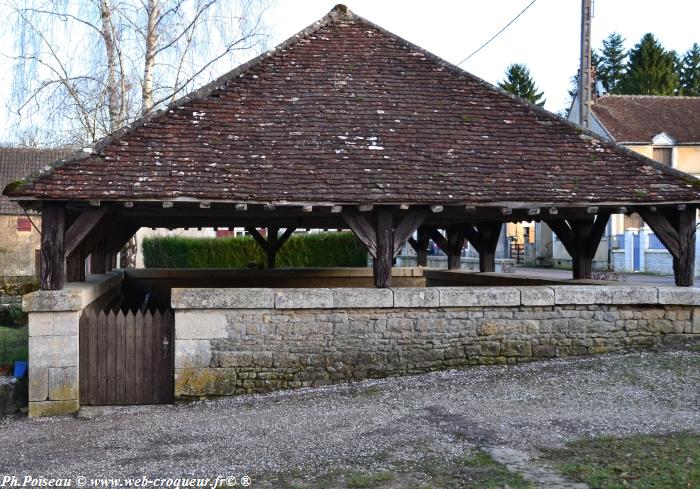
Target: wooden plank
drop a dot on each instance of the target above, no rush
(384, 232)
(93, 354)
(83, 225)
(147, 358)
(168, 371)
(111, 358)
(129, 359)
(138, 358)
(361, 227)
(102, 342)
(84, 356)
(52, 247)
(408, 225)
(156, 358)
(120, 397)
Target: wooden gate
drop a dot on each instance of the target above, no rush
(126, 358)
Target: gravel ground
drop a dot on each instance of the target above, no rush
(373, 424)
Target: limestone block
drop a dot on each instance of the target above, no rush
(248, 298)
(679, 295)
(416, 297)
(638, 294)
(54, 323)
(696, 320)
(536, 296)
(53, 408)
(53, 351)
(303, 298)
(583, 294)
(353, 298)
(192, 353)
(38, 383)
(63, 383)
(52, 300)
(516, 348)
(194, 324)
(205, 382)
(234, 359)
(479, 296)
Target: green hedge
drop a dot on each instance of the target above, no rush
(322, 250)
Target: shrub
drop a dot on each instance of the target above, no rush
(332, 249)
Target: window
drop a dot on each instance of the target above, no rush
(663, 155)
(24, 224)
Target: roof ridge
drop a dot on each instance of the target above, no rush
(669, 97)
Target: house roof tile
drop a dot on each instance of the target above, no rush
(346, 112)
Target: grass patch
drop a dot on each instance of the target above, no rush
(644, 462)
(14, 344)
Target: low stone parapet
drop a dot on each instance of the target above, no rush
(230, 341)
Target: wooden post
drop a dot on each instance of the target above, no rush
(52, 235)
(455, 243)
(581, 238)
(675, 228)
(271, 251)
(420, 246)
(98, 258)
(384, 230)
(488, 232)
(272, 244)
(75, 266)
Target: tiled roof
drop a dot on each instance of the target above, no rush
(17, 163)
(345, 112)
(638, 118)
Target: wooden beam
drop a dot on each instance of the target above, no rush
(364, 231)
(581, 238)
(420, 246)
(257, 237)
(489, 232)
(663, 229)
(676, 229)
(473, 237)
(83, 225)
(52, 246)
(439, 240)
(384, 232)
(408, 225)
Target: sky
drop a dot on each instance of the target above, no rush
(545, 38)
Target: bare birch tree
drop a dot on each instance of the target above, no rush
(83, 69)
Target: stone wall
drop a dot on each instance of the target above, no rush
(17, 248)
(53, 342)
(231, 341)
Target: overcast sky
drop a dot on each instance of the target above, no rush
(545, 38)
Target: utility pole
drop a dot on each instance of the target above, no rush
(585, 79)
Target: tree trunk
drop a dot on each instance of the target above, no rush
(151, 42)
(111, 85)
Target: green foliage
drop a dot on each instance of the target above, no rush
(690, 72)
(610, 70)
(18, 289)
(300, 251)
(14, 345)
(519, 82)
(13, 316)
(640, 461)
(651, 70)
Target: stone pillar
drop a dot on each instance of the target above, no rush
(54, 352)
(644, 246)
(53, 363)
(629, 250)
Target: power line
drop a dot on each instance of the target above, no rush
(498, 33)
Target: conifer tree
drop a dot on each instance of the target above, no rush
(690, 72)
(651, 69)
(519, 82)
(611, 67)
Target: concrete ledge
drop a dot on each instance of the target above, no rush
(536, 296)
(74, 296)
(303, 298)
(479, 296)
(362, 298)
(679, 295)
(582, 294)
(253, 298)
(416, 297)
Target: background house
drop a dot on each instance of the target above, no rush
(19, 240)
(666, 129)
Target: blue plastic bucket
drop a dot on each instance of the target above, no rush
(20, 369)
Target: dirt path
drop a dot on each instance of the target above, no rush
(374, 425)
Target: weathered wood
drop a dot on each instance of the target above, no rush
(581, 238)
(84, 356)
(167, 330)
(147, 359)
(156, 377)
(384, 232)
(138, 357)
(407, 226)
(98, 258)
(488, 232)
(75, 267)
(455, 244)
(675, 228)
(102, 342)
(82, 227)
(130, 356)
(121, 359)
(93, 355)
(439, 240)
(273, 243)
(52, 246)
(473, 237)
(361, 227)
(420, 246)
(111, 388)
(664, 230)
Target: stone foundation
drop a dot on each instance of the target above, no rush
(231, 341)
